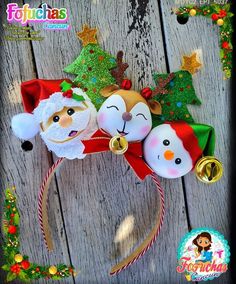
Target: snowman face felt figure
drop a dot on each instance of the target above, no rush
(125, 113)
(165, 153)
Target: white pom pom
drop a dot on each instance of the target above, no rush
(24, 126)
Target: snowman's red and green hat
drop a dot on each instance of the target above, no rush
(41, 99)
(198, 139)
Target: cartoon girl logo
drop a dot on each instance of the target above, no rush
(203, 242)
(203, 254)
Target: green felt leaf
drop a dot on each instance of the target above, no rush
(180, 93)
(65, 86)
(217, 7)
(12, 255)
(226, 7)
(56, 277)
(10, 276)
(92, 69)
(78, 97)
(6, 267)
(23, 276)
(5, 229)
(16, 219)
(222, 53)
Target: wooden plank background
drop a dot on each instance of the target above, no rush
(89, 199)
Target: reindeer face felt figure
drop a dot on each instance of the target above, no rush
(126, 113)
(62, 118)
(172, 149)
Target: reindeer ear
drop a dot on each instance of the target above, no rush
(109, 90)
(155, 107)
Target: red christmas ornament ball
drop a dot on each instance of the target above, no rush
(146, 93)
(222, 13)
(215, 17)
(68, 94)
(225, 45)
(126, 84)
(25, 264)
(15, 268)
(12, 229)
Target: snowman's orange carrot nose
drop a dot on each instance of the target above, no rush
(169, 155)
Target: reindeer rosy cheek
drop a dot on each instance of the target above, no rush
(102, 117)
(145, 130)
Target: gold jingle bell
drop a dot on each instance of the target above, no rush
(118, 145)
(208, 169)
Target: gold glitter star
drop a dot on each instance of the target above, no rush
(190, 63)
(87, 35)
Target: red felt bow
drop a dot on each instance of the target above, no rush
(99, 142)
(68, 94)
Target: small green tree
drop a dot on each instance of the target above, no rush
(92, 67)
(180, 93)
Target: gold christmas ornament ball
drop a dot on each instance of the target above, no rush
(52, 270)
(18, 258)
(220, 22)
(208, 169)
(118, 145)
(192, 12)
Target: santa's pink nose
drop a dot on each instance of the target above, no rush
(126, 116)
(65, 121)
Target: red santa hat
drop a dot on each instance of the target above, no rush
(42, 98)
(36, 90)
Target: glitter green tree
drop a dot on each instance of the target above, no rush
(92, 67)
(174, 103)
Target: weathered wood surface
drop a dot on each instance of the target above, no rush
(89, 199)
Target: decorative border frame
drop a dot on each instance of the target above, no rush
(221, 16)
(16, 264)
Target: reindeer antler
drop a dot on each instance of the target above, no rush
(118, 72)
(161, 84)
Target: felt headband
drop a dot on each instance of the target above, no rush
(129, 260)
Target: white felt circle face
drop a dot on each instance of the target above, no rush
(165, 154)
(114, 119)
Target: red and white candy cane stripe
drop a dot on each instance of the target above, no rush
(42, 204)
(150, 239)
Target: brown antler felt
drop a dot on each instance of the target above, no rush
(118, 72)
(161, 84)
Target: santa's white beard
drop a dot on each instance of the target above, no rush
(73, 148)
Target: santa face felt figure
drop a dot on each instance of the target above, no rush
(62, 118)
(125, 113)
(172, 149)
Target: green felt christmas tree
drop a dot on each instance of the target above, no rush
(92, 67)
(180, 93)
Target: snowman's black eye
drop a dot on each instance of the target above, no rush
(70, 111)
(56, 118)
(178, 161)
(166, 142)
